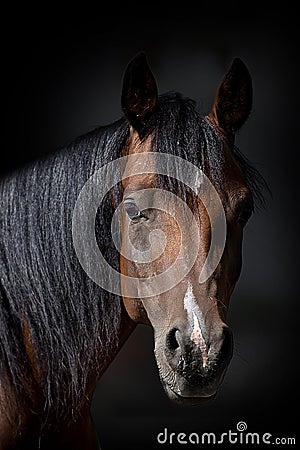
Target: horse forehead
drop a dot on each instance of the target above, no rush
(136, 174)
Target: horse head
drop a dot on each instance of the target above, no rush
(164, 223)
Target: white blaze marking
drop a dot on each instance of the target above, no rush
(195, 316)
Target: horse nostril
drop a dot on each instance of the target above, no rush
(171, 340)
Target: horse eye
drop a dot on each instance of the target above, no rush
(132, 210)
(245, 213)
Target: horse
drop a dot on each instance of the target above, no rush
(59, 327)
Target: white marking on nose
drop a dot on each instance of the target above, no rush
(198, 339)
(195, 317)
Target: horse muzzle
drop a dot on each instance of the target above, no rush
(192, 367)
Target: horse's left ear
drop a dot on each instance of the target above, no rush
(139, 92)
(233, 101)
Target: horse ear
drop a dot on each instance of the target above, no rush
(139, 92)
(233, 101)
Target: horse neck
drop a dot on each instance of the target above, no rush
(23, 428)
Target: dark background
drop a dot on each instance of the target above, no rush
(62, 73)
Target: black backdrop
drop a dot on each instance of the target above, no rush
(61, 77)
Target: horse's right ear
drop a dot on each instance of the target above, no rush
(139, 92)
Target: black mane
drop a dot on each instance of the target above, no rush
(73, 324)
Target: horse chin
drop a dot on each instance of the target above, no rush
(193, 392)
(191, 400)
